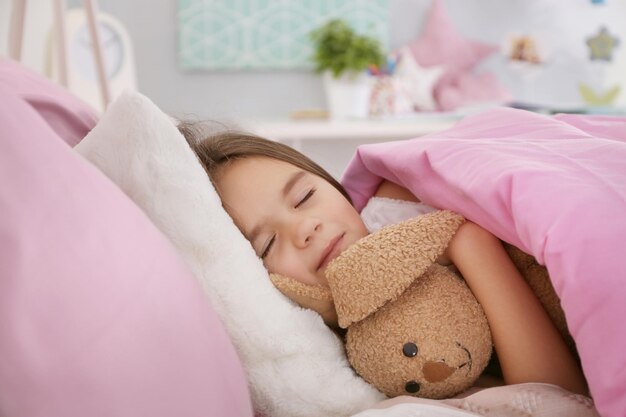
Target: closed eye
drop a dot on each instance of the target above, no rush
(268, 247)
(306, 197)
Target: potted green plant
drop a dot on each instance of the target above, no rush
(343, 57)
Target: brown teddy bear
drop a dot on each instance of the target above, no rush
(413, 326)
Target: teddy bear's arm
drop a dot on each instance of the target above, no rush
(529, 347)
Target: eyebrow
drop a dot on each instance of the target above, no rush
(291, 182)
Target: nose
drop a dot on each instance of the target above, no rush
(436, 371)
(305, 230)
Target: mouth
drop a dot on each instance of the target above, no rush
(469, 358)
(331, 251)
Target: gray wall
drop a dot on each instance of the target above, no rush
(220, 94)
(246, 94)
(564, 24)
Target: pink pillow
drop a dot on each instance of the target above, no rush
(440, 44)
(68, 116)
(98, 315)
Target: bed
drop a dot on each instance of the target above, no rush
(208, 334)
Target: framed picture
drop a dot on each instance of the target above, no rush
(265, 34)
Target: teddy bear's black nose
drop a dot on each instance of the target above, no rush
(412, 387)
(409, 349)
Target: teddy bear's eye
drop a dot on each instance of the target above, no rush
(412, 387)
(409, 349)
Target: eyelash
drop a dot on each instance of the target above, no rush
(273, 239)
(267, 249)
(306, 197)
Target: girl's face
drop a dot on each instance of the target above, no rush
(296, 221)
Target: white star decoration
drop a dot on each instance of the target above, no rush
(417, 82)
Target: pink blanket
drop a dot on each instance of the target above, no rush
(554, 187)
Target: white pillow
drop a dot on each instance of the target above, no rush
(295, 365)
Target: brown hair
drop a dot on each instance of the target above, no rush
(216, 151)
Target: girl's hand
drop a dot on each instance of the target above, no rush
(391, 190)
(529, 347)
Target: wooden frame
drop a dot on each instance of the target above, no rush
(16, 38)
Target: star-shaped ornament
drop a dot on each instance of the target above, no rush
(416, 81)
(601, 45)
(440, 43)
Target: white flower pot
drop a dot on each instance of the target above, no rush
(347, 96)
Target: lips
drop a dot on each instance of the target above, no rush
(331, 251)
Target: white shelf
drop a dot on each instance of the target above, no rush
(297, 131)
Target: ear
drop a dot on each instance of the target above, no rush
(313, 297)
(379, 267)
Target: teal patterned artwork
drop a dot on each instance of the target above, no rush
(266, 34)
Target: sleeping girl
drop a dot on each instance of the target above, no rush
(298, 218)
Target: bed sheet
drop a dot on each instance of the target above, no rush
(528, 400)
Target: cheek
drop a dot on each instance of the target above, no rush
(289, 263)
(347, 214)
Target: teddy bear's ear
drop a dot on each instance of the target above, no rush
(379, 267)
(314, 297)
